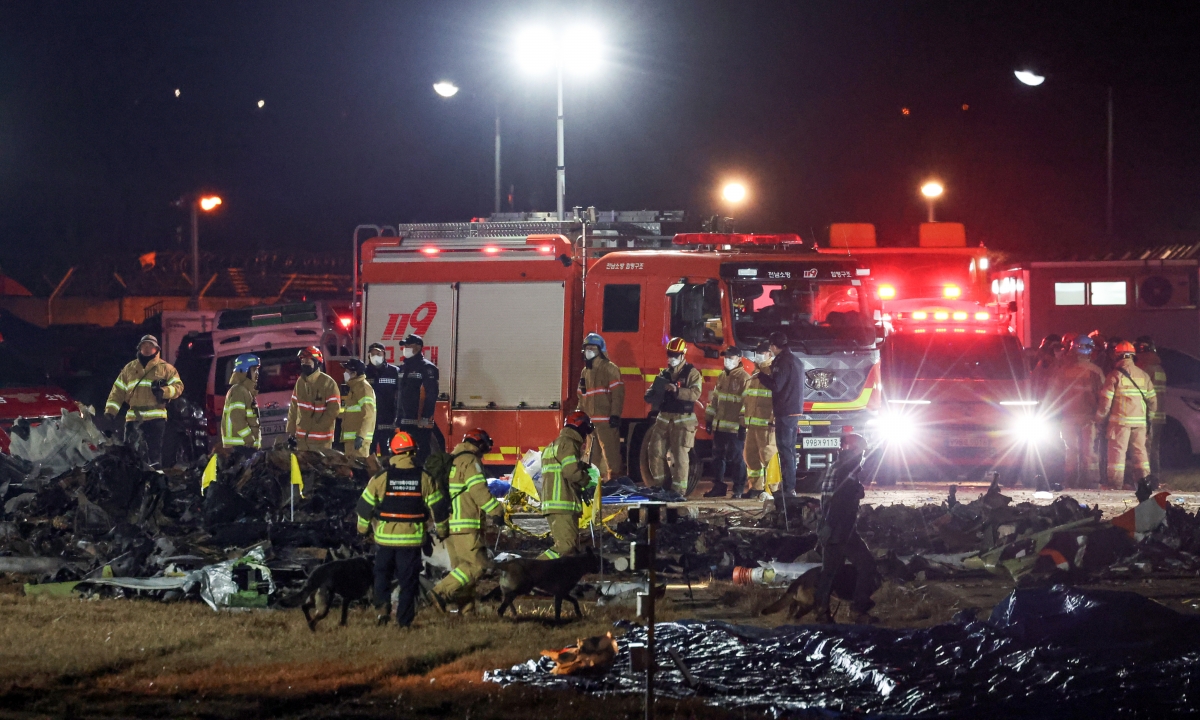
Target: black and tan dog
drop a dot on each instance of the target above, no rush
(350, 580)
(800, 596)
(557, 577)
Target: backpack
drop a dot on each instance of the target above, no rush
(438, 466)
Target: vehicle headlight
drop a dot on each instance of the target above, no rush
(894, 427)
(1032, 429)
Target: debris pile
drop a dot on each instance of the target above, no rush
(1044, 653)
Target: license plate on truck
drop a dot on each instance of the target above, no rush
(822, 443)
(968, 441)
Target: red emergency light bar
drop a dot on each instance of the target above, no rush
(738, 239)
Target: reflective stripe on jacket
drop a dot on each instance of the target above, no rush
(757, 406)
(394, 534)
(601, 390)
(1074, 389)
(469, 496)
(358, 411)
(314, 408)
(135, 386)
(239, 418)
(724, 411)
(1124, 395)
(563, 476)
(1151, 364)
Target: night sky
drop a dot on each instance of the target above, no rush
(802, 100)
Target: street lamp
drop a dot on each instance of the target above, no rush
(932, 190)
(207, 203)
(734, 192)
(577, 49)
(447, 89)
(1033, 80)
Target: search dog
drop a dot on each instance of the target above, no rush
(557, 577)
(350, 579)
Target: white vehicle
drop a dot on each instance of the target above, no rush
(177, 324)
(275, 333)
(1181, 404)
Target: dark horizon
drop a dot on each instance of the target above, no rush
(804, 102)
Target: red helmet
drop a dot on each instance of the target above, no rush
(480, 439)
(1124, 348)
(676, 346)
(402, 442)
(312, 352)
(581, 422)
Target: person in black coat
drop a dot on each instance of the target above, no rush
(419, 381)
(786, 383)
(384, 378)
(840, 540)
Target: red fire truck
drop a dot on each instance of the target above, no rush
(503, 310)
(957, 401)
(941, 267)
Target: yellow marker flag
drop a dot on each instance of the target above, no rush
(774, 476)
(210, 473)
(297, 478)
(523, 482)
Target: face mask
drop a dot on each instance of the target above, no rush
(376, 359)
(731, 363)
(347, 375)
(146, 358)
(589, 354)
(675, 361)
(409, 352)
(307, 369)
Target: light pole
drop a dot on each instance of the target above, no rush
(448, 90)
(1032, 79)
(577, 48)
(207, 203)
(932, 190)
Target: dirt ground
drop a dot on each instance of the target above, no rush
(67, 657)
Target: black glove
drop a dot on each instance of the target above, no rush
(708, 428)
(614, 421)
(291, 443)
(498, 520)
(358, 442)
(426, 544)
(158, 393)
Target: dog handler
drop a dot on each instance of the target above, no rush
(396, 504)
(566, 480)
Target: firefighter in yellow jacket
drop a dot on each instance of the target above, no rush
(1073, 393)
(315, 405)
(602, 397)
(1127, 402)
(566, 482)
(358, 411)
(723, 420)
(674, 431)
(470, 501)
(759, 415)
(240, 432)
(395, 506)
(144, 387)
(1151, 364)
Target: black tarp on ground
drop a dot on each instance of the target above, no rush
(1047, 653)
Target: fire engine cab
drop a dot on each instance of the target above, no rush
(957, 400)
(503, 312)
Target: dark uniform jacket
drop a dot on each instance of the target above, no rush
(385, 379)
(418, 390)
(786, 383)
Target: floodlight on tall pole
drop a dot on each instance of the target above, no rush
(1033, 80)
(578, 49)
(447, 89)
(932, 190)
(733, 192)
(207, 203)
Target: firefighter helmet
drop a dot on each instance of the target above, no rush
(676, 346)
(356, 366)
(149, 339)
(242, 363)
(595, 339)
(480, 439)
(1125, 348)
(313, 353)
(402, 442)
(581, 422)
(1083, 344)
